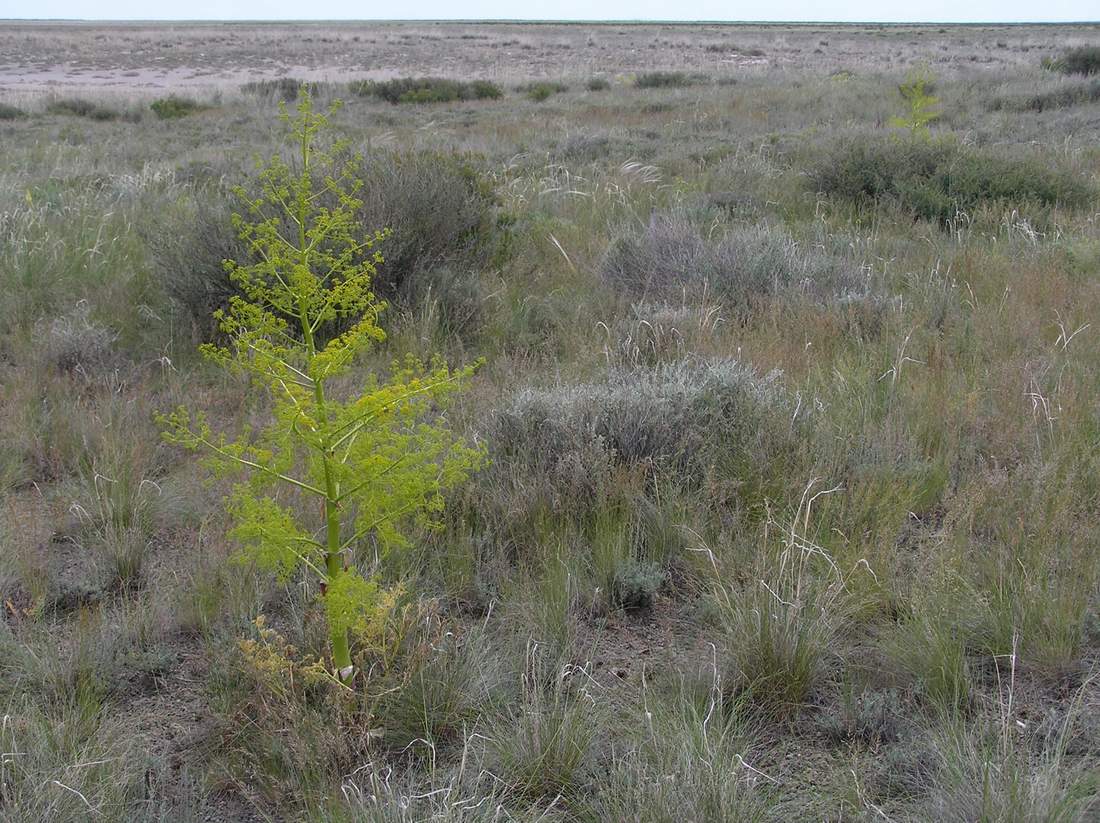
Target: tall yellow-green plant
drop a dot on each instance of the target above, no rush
(921, 102)
(333, 472)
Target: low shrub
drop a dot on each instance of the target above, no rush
(1062, 97)
(189, 246)
(542, 89)
(1081, 60)
(173, 107)
(79, 107)
(597, 84)
(440, 209)
(935, 179)
(676, 418)
(667, 79)
(10, 112)
(670, 257)
(426, 90)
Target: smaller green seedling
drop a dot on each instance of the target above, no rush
(923, 106)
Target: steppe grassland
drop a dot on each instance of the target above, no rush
(793, 420)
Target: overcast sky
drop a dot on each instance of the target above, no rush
(837, 10)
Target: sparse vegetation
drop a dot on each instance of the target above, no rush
(779, 480)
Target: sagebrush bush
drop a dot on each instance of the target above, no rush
(868, 717)
(174, 107)
(442, 213)
(540, 90)
(426, 90)
(935, 179)
(743, 266)
(10, 112)
(440, 208)
(79, 107)
(1063, 96)
(1081, 60)
(189, 246)
(667, 79)
(598, 84)
(677, 417)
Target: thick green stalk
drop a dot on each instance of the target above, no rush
(334, 565)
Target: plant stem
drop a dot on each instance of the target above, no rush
(334, 565)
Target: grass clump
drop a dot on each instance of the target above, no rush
(598, 84)
(427, 90)
(173, 107)
(992, 771)
(541, 747)
(1081, 60)
(667, 80)
(686, 760)
(936, 179)
(79, 107)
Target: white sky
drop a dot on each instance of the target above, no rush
(778, 10)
